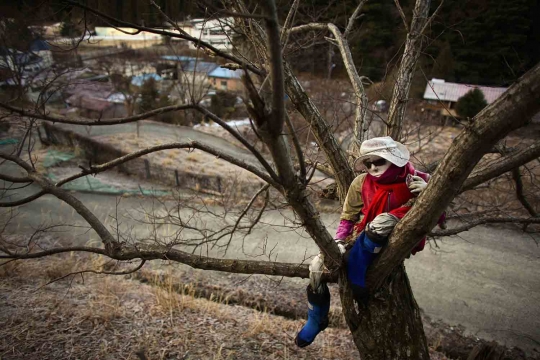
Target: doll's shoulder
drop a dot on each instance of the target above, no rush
(358, 182)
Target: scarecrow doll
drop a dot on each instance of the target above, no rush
(375, 202)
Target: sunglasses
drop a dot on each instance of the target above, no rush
(378, 162)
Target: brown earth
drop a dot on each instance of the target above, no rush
(89, 316)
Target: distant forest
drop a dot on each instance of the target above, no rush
(487, 42)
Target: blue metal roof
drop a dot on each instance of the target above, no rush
(177, 58)
(225, 73)
(199, 66)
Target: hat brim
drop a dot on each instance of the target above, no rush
(398, 156)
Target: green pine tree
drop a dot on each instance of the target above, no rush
(471, 104)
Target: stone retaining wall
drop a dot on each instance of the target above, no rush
(99, 153)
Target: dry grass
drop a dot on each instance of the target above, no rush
(109, 317)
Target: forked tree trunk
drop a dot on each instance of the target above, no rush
(391, 326)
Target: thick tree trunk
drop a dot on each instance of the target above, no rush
(391, 326)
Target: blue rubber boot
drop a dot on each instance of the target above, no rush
(318, 307)
(358, 260)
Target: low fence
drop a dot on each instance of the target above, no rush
(98, 153)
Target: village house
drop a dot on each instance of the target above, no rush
(94, 99)
(42, 49)
(192, 75)
(128, 37)
(443, 96)
(216, 32)
(225, 79)
(36, 58)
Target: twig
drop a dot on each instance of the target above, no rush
(353, 17)
(402, 14)
(126, 272)
(516, 176)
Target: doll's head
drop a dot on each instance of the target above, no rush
(378, 154)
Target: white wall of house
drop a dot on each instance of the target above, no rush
(217, 32)
(108, 36)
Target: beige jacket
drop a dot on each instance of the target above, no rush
(353, 202)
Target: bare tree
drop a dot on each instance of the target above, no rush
(390, 326)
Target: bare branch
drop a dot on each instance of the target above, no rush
(430, 20)
(98, 122)
(14, 179)
(276, 69)
(324, 168)
(413, 48)
(157, 252)
(353, 18)
(55, 251)
(245, 211)
(516, 176)
(95, 169)
(360, 124)
(126, 272)
(308, 27)
(23, 201)
(244, 142)
(344, 174)
(297, 147)
(484, 220)
(288, 22)
(64, 195)
(505, 164)
(402, 14)
(17, 160)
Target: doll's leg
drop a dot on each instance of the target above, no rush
(318, 308)
(318, 297)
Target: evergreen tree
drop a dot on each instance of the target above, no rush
(471, 104)
(381, 33)
(149, 96)
(487, 38)
(169, 117)
(443, 67)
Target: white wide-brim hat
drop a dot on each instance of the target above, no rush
(386, 148)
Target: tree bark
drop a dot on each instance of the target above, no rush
(390, 327)
(413, 47)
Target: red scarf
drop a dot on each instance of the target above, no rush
(380, 196)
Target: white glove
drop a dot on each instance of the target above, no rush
(382, 225)
(417, 185)
(315, 272)
(341, 246)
